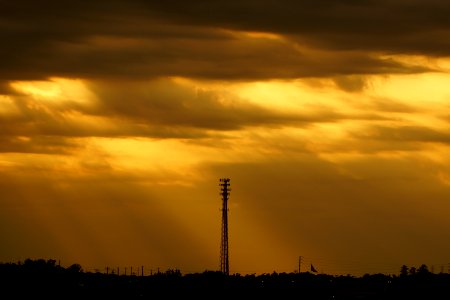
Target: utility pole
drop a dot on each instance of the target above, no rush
(224, 259)
(299, 263)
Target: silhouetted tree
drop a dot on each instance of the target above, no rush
(423, 270)
(173, 272)
(75, 268)
(404, 271)
(412, 271)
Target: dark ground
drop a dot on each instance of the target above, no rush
(43, 279)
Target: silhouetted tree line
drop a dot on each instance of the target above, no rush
(44, 278)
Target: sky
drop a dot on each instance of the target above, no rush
(331, 118)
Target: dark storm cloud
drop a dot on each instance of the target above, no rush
(37, 129)
(165, 38)
(406, 134)
(350, 83)
(36, 144)
(5, 89)
(391, 105)
(163, 102)
(226, 58)
(392, 26)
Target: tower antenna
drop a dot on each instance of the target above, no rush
(225, 193)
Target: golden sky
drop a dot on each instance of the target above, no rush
(332, 119)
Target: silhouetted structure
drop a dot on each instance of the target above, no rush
(224, 260)
(299, 263)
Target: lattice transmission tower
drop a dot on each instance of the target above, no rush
(225, 193)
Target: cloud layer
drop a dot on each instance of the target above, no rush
(213, 39)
